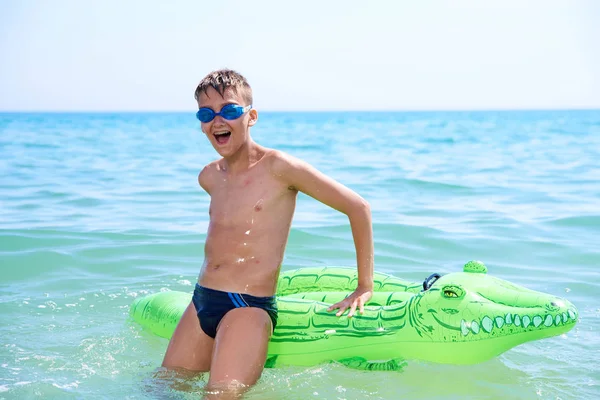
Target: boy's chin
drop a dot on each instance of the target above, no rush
(224, 151)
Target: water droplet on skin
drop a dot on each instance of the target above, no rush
(247, 233)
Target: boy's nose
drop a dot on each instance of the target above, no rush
(219, 120)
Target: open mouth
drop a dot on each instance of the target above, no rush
(222, 137)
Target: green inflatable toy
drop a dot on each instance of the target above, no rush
(458, 318)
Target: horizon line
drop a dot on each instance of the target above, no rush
(424, 110)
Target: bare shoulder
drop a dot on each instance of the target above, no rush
(301, 176)
(208, 175)
(282, 165)
(294, 171)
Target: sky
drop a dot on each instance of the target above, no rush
(115, 55)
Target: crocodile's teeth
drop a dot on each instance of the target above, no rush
(463, 328)
(487, 324)
(499, 322)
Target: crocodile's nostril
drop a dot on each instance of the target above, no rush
(556, 303)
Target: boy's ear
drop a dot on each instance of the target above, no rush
(253, 117)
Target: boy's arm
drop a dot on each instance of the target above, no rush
(204, 178)
(306, 179)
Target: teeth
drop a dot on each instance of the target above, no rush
(499, 322)
(487, 324)
(463, 328)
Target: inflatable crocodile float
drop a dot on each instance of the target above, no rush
(458, 318)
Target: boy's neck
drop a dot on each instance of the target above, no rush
(243, 159)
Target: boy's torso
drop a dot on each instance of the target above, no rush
(250, 219)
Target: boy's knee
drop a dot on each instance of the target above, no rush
(225, 389)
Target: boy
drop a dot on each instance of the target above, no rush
(253, 189)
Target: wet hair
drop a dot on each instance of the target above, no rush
(222, 80)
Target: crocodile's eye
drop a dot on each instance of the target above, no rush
(452, 292)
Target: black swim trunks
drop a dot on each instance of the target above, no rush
(212, 305)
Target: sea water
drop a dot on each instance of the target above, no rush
(97, 209)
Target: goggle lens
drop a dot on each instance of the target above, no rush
(229, 112)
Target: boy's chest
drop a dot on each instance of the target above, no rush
(232, 199)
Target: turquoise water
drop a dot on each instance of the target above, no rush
(96, 209)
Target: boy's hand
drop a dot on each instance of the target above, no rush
(358, 298)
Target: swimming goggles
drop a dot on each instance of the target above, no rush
(229, 112)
